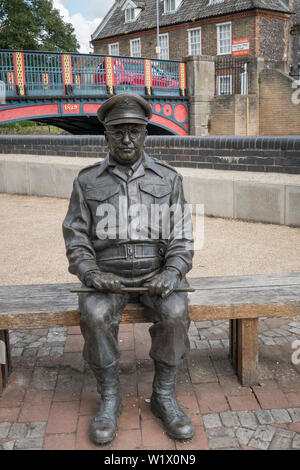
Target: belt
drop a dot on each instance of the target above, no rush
(131, 251)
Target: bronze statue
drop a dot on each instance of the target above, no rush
(112, 241)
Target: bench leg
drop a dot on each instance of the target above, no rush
(5, 361)
(244, 349)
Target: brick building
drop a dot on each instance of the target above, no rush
(226, 97)
(195, 27)
(294, 39)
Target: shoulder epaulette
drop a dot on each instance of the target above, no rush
(163, 163)
(90, 166)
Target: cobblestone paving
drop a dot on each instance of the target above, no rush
(202, 335)
(254, 429)
(51, 396)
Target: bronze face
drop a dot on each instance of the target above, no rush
(126, 142)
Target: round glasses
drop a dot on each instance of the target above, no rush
(119, 134)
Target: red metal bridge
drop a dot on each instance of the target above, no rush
(66, 90)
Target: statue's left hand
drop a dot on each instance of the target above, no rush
(163, 283)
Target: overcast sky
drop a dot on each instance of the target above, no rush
(85, 16)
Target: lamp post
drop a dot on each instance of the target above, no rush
(157, 28)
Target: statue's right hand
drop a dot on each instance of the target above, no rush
(103, 281)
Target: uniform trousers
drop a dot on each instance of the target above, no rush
(101, 314)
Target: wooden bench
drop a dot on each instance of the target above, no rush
(240, 299)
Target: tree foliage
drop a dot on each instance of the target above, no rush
(34, 25)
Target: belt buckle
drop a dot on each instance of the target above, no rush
(129, 252)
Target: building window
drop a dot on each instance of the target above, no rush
(170, 5)
(113, 49)
(135, 47)
(194, 41)
(129, 14)
(224, 39)
(164, 46)
(224, 85)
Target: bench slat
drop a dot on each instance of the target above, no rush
(137, 314)
(49, 305)
(241, 299)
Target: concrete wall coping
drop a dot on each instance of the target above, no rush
(202, 173)
(260, 197)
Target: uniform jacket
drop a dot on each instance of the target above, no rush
(121, 224)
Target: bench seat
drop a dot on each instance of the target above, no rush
(240, 299)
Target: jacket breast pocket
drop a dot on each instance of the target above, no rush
(102, 193)
(156, 200)
(155, 193)
(104, 202)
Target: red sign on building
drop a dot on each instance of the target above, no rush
(240, 46)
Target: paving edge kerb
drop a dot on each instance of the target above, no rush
(258, 197)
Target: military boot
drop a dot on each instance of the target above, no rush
(165, 406)
(103, 428)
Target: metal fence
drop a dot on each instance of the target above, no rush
(7, 75)
(231, 76)
(129, 74)
(40, 73)
(43, 73)
(88, 74)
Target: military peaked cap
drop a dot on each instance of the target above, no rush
(124, 108)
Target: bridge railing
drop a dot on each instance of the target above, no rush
(42, 73)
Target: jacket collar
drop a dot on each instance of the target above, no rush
(150, 163)
(103, 166)
(147, 163)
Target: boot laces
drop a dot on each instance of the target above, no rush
(108, 409)
(171, 406)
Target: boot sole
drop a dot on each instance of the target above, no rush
(173, 436)
(107, 441)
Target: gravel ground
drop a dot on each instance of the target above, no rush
(33, 252)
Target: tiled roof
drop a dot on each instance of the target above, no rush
(188, 10)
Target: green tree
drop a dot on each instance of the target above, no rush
(34, 25)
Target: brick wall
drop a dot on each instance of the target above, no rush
(278, 115)
(222, 119)
(272, 39)
(260, 154)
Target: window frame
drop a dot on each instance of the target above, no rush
(130, 8)
(110, 46)
(160, 36)
(140, 47)
(219, 25)
(189, 40)
(166, 12)
(219, 77)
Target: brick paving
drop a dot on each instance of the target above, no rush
(51, 397)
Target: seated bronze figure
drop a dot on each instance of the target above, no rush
(111, 244)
